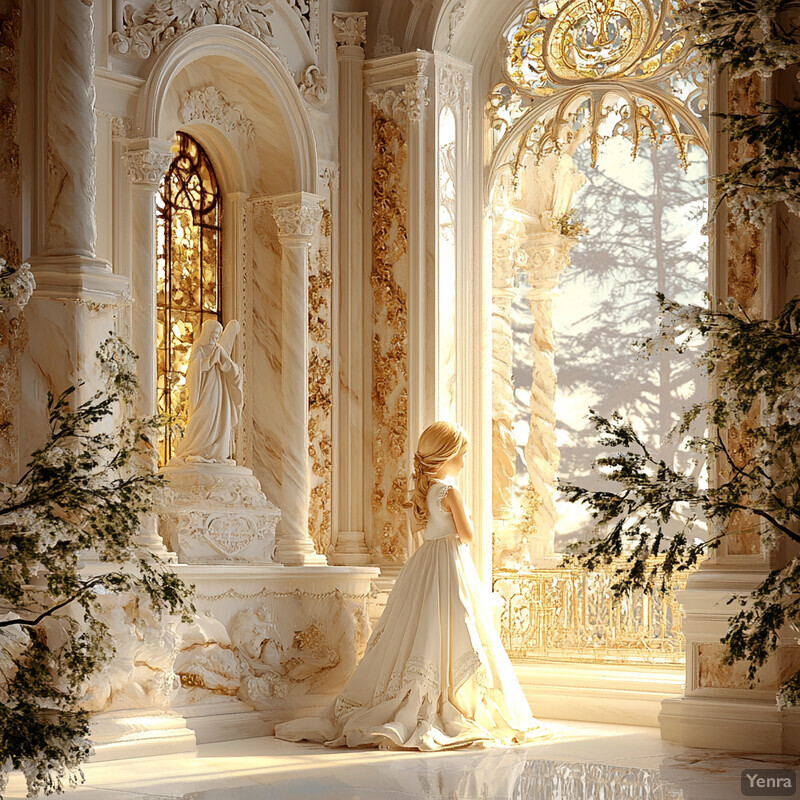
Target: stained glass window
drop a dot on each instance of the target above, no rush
(189, 266)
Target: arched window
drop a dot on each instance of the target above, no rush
(189, 266)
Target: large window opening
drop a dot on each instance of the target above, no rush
(598, 122)
(189, 274)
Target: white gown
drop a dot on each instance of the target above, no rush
(434, 673)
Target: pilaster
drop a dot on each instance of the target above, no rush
(403, 278)
(351, 286)
(719, 708)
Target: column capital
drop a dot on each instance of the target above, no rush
(297, 216)
(350, 30)
(548, 256)
(146, 160)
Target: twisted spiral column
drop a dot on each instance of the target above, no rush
(548, 256)
(506, 256)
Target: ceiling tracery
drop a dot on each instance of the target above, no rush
(575, 69)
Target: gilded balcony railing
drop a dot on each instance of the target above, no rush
(570, 615)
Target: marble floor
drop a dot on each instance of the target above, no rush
(589, 761)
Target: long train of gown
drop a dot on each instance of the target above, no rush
(434, 673)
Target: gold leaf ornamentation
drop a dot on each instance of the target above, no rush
(390, 340)
(320, 388)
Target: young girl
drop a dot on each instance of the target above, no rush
(434, 674)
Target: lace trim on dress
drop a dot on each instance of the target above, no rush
(344, 706)
(468, 664)
(441, 494)
(417, 672)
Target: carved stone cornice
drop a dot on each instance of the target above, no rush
(147, 160)
(400, 103)
(208, 104)
(146, 32)
(297, 217)
(350, 28)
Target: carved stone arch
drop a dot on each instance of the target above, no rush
(230, 43)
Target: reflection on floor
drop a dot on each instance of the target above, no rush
(589, 761)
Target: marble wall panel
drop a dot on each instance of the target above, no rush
(744, 283)
(264, 372)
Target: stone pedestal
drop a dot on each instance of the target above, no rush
(268, 644)
(216, 513)
(718, 706)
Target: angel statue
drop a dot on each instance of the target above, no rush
(215, 402)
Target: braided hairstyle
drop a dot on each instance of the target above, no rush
(438, 443)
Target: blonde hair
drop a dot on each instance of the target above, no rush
(438, 443)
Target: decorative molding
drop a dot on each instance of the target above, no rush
(390, 340)
(147, 160)
(350, 28)
(320, 388)
(401, 104)
(313, 85)
(139, 675)
(296, 216)
(146, 32)
(208, 104)
(121, 127)
(456, 15)
(270, 654)
(329, 175)
(386, 46)
(308, 13)
(453, 88)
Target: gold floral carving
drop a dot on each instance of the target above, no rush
(744, 273)
(320, 388)
(390, 340)
(9, 76)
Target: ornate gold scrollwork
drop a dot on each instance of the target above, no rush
(390, 340)
(570, 615)
(320, 389)
(578, 68)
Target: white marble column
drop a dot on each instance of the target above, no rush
(146, 161)
(548, 257)
(77, 296)
(352, 389)
(506, 256)
(297, 217)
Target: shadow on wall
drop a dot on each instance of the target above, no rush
(645, 221)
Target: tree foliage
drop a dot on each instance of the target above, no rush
(754, 37)
(753, 437)
(68, 535)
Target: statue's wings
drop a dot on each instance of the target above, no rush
(228, 336)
